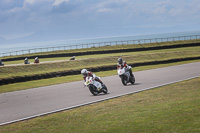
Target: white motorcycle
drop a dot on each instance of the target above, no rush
(95, 87)
(125, 76)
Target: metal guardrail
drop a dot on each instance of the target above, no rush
(99, 44)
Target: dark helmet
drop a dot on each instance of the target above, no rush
(120, 60)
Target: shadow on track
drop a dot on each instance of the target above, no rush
(133, 84)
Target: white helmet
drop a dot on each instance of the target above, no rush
(84, 72)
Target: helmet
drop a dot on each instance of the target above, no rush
(26, 58)
(36, 58)
(120, 60)
(84, 72)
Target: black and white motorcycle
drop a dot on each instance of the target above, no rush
(95, 87)
(125, 75)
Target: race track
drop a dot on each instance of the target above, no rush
(25, 104)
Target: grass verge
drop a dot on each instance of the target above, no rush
(23, 70)
(172, 108)
(184, 49)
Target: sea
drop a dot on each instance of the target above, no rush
(23, 48)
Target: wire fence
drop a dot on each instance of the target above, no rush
(99, 44)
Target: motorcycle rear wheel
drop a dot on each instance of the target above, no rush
(132, 79)
(105, 90)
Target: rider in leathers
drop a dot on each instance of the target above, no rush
(86, 73)
(123, 64)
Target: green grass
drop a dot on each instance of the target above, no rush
(22, 70)
(187, 49)
(172, 108)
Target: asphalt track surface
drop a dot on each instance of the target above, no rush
(26, 104)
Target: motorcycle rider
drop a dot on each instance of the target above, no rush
(1, 63)
(36, 60)
(122, 64)
(87, 73)
(73, 58)
(26, 61)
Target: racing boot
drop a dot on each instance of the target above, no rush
(130, 70)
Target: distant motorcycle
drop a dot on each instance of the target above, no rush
(36, 60)
(73, 58)
(125, 76)
(1, 63)
(26, 61)
(95, 87)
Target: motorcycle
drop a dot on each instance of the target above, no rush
(1, 64)
(125, 76)
(95, 87)
(73, 58)
(26, 62)
(36, 61)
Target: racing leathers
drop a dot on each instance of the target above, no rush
(124, 64)
(90, 74)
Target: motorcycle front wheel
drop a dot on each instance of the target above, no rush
(93, 90)
(124, 80)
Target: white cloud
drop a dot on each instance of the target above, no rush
(112, 6)
(16, 35)
(58, 2)
(28, 16)
(30, 1)
(105, 10)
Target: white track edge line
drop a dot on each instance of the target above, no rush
(76, 106)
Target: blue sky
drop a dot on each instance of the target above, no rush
(51, 20)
